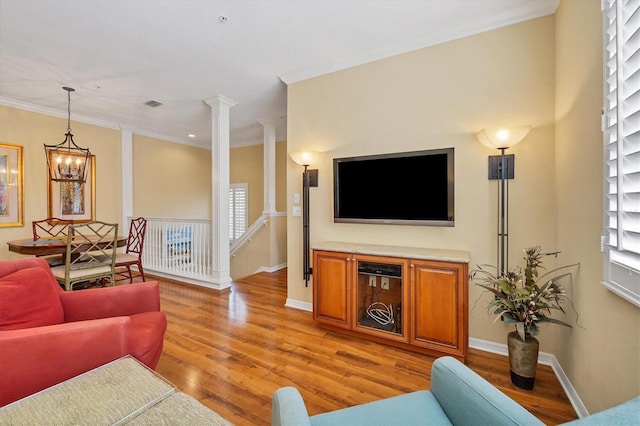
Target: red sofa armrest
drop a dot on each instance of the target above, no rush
(33, 359)
(108, 302)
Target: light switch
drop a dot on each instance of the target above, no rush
(296, 211)
(296, 198)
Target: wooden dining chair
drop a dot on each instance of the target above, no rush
(133, 254)
(51, 227)
(90, 255)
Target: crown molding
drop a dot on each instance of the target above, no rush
(57, 113)
(13, 103)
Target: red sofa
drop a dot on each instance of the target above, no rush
(48, 335)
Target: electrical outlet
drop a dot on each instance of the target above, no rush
(384, 284)
(372, 281)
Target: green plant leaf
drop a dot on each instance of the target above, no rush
(509, 318)
(520, 330)
(504, 286)
(559, 276)
(523, 297)
(554, 321)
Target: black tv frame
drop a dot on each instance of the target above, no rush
(449, 222)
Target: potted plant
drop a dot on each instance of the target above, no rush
(525, 299)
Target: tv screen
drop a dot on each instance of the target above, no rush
(408, 188)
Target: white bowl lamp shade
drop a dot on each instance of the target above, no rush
(502, 137)
(304, 158)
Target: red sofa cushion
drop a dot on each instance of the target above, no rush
(146, 331)
(27, 299)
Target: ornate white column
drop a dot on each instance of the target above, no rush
(220, 107)
(269, 163)
(126, 144)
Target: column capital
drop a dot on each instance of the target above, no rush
(219, 101)
(266, 123)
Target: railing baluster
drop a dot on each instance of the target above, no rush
(178, 247)
(183, 248)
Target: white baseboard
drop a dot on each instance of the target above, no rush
(298, 304)
(544, 358)
(270, 269)
(575, 400)
(202, 283)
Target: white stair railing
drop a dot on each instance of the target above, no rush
(181, 248)
(178, 247)
(256, 226)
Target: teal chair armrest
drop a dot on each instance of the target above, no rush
(288, 408)
(627, 413)
(468, 399)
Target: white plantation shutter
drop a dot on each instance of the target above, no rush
(622, 148)
(238, 198)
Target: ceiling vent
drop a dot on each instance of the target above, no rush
(153, 104)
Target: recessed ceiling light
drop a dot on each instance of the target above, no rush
(191, 135)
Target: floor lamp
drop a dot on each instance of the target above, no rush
(309, 179)
(502, 168)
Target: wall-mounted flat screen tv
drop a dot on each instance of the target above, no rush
(407, 188)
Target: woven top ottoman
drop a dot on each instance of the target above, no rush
(121, 392)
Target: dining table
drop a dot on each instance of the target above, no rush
(49, 245)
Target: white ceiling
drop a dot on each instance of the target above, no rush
(119, 54)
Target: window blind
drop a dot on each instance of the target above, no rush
(238, 198)
(621, 122)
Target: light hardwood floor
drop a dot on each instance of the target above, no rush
(232, 349)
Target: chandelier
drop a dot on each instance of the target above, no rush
(67, 162)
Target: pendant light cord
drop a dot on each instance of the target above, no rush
(69, 90)
(69, 111)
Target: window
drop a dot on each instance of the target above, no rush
(622, 148)
(238, 199)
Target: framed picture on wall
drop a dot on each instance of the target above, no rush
(74, 200)
(11, 195)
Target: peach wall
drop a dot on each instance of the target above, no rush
(602, 355)
(32, 130)
(187, 167)
(247, 166)
(281, 176)
(170, 179)
(432, 98)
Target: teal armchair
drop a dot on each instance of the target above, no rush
(458, 396)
